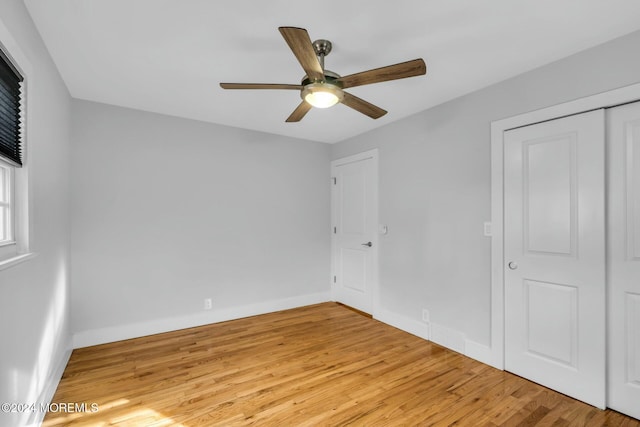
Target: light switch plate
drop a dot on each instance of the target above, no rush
(487, 229)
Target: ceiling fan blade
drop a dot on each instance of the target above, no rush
(300, 43)
(299, 112)
(363, 106)
(417, 67)
(259, 86)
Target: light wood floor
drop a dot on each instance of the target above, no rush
(322, 365)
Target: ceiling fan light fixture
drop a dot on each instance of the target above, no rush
(322, 88)
(322, 95)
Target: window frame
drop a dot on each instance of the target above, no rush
(7, 180)
(19, 250)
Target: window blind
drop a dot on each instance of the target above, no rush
(10, 117)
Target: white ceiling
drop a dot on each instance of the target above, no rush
(168, 56)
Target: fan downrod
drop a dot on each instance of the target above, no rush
(322, 48)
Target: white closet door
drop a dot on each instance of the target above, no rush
(624, 259)
(555, 255)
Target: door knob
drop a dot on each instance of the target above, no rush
(512, 265)
(367, 244)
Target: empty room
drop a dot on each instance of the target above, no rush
(273, 213)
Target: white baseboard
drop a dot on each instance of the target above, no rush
(419, 329)
(481, 353)
(446, 337)
(46, 396)
(134, 330)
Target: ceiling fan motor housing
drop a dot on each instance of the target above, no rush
(329, 77)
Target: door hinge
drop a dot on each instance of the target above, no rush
(334, 279)
(335, 180)
(335, 230)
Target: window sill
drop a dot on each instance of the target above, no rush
(16, 259)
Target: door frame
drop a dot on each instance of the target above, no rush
(365, 155)
(495, 353)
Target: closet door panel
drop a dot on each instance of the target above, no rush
(554, 267)
(624, 259)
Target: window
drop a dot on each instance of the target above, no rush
(6, 204)
(10, 112)
(13, 177)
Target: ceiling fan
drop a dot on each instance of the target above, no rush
(322, 88)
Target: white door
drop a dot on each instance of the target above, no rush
(624, 259)
(354, 199)
(555, 255)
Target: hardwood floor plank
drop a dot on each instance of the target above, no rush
(318, 365)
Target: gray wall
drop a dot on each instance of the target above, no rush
(435, 185)
(168, 211)
(34, 311)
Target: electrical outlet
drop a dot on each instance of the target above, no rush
(425, 315)
(208, 304)
(487, 229)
